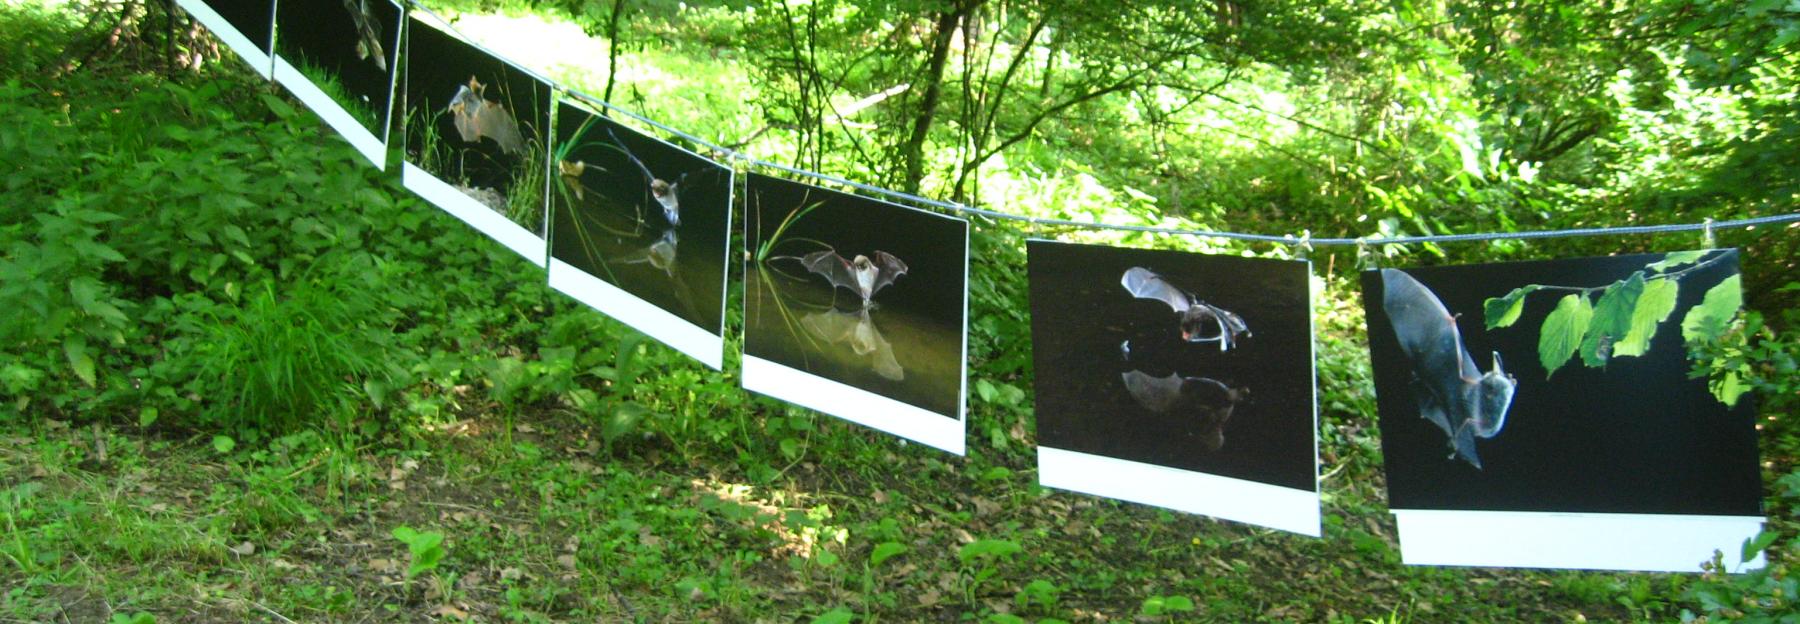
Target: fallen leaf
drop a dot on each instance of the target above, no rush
(929, 598)
(567, 561)
(524, 428)
(511, 574)
(244, 550)
(383, 566)
(449, 611)
(881, 498)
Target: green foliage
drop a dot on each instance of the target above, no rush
(133, 618)
(425, 549)
(1166, 605)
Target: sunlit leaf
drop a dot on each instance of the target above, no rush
(76, 350)
(839, 615)
(1653, 307)
(1612, 319)
(1676, 260)
(1709, 320)
(1504, 311)
(1562, 332)
(885, 551)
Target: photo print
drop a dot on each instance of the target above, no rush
(339, 57)
(1176, 379)
(857, 308)
(1540, 414)
(476, 129)
(245, 26)
(640, 229)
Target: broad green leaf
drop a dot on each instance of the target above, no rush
(1653, 307)
(1562, 332)
(1707, 321)
(1178, 603)
(885, 551)
(1758, 544)
(839, 615)
(223, 444)
(790, 447)
(1504, 311)
(1612, 319)
(1728, 388)
(1676, 260)
(281, 109)
(988, 548)
(1004, 618)
(76, 350)
(147, 416)
(985, 389)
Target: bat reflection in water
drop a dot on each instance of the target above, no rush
(1195, 314)
(667, 193)
(862, 275)
(1450, 391)
(1205, 398)
(368, 33)
(660, 254)
(476, 117)
(857, 330)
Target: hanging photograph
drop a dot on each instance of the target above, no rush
(639, 230)
(1176, 379)
(245, 26)
(1541, 414)
(857, 308)
(475, 136)
(339, 58)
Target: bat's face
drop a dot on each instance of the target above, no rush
(1494, 395)
(865, 271)
(665, 195)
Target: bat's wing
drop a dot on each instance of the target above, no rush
(833, 266)
(492, 121)
(1463, 442)
(1146, 284)
(649, 178)
(830, 325)
(1157, 394)
(888, 268)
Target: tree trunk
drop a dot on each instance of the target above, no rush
(913, 151)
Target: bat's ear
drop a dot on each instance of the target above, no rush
(1497, 366)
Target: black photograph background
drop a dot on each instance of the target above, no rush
(476, 122)
(254, 19)
(1088, 332)
(1634, 436)
(908, 344)
(609, 222)
(352, 57)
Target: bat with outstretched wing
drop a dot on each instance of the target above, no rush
(368, 33)
(858, 331)
(667, 194)
(476, 117)
(863, 275)
(1208, 400)
(1450, 391)
(1196, 315)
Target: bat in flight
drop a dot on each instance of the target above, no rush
(1450, 391)
(1208, 399)
(666, 193)
(858, 331)
(368, 33)
(862, 275)
(1196, 315)
(476, 117)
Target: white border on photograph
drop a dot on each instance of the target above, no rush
(370, 146)
(1585, 541)
(853, 404)
(474, 213)
(655, 322)
(1261, 504)
(229, 35)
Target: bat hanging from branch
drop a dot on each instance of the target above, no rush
(368, 33)
(1210, 400)
(1195, 314)
(476, 117)
(1448, 388)
(667, 193)
(862, 275)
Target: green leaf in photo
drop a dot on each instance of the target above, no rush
(76, 350)
(1612, 319)
(1728, 388)
(1653, 307)
(1563, 331)
(885, 551)
(1504, 311)
(1707, 321)
(1676, 260)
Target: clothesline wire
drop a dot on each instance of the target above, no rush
(1305, 240)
